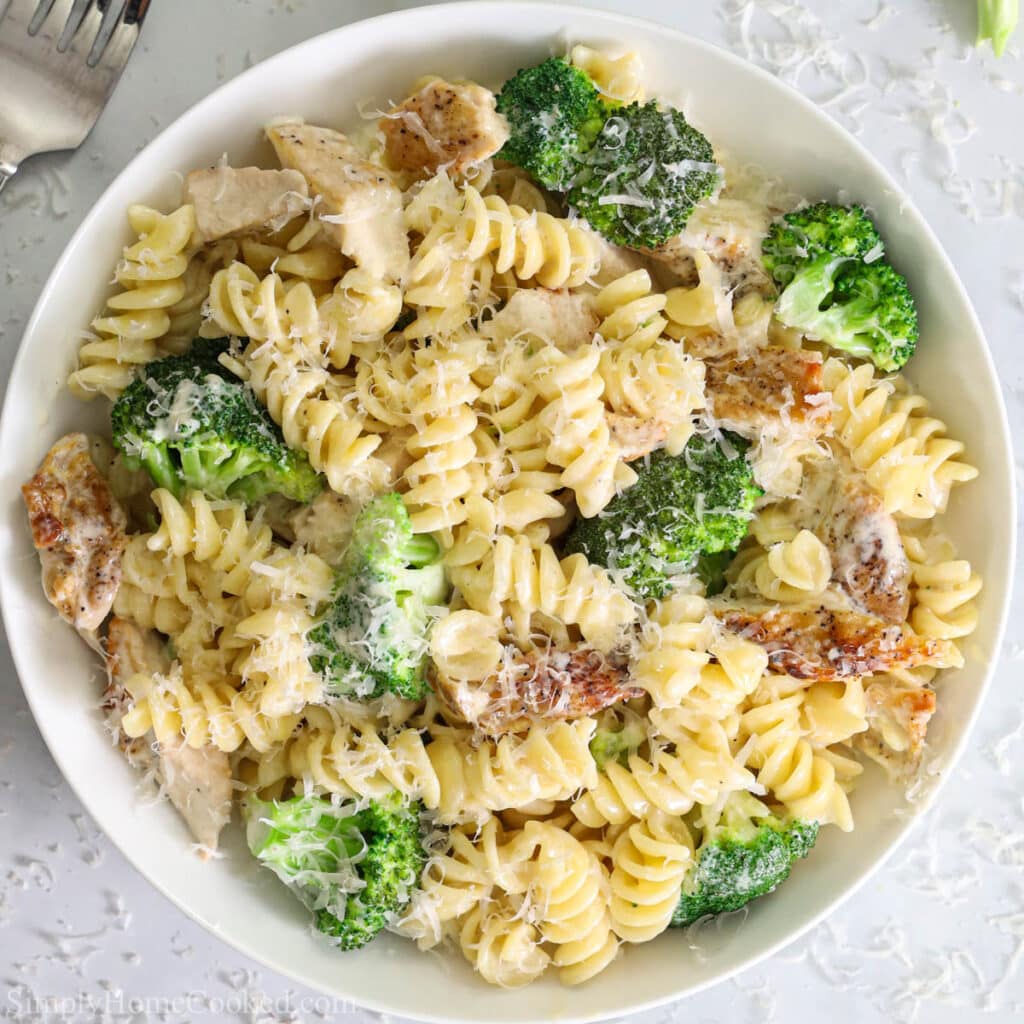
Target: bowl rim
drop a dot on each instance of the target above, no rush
(908, 207)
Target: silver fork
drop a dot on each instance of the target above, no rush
(59, 63)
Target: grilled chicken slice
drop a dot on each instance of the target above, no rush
(868, 558)
(825, 644)
(635, 435)
(562, 318)
(898, 716)
(773, 392)
(196, 781)
(79, 529)
(443, 125)
(729, 230)
(363, 200)
(130, 649)
(232, 201)
(555, 684)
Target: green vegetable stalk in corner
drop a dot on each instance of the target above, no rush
(997, 20)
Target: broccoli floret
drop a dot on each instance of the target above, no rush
(639, 182)
(554, 114)
(823, 229)
(617, 744)
(191, 424)
(681, 507)
(746, 855)
(373, 638)
(864, 309)
(356, 870)
(710, 570)
(820, 257)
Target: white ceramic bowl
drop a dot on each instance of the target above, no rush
(742, 109)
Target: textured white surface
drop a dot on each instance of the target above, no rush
(939, 935)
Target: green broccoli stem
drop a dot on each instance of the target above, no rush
(997, 21)
(157, 461)
(420, 549)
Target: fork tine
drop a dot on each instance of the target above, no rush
(112, 11)
(81, 43)
(21, 10)
(74, 23)
(41, 14)
(122, 41)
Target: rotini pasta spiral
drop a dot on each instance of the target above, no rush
(699, 768)
(518, 580)
(616, 78)
(443, 448)
(151, 276)
(943, 592)
(833, 712)
(651, 858)
(334, 755)
(902, 451)
(550, 762)
(503, 947)
(216, 532)
(576, 428)
(802, 779)
(673, 649)
(319, 416)
(789, 571)
(570, 887)
(202, 711)
(464, 645)
(631, 311)
(459, 878)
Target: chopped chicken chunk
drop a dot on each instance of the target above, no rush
(443, 125)
(130, 649)
(365, 202)
(868, 558)
(563, 318)
(898, 716)
(553, 684)
(825, 644)
(635, 435)
(79, 529)
(196, 781)
(231, 201)
(324, 526)
(729, 230)
(774, 391)
(847, 515)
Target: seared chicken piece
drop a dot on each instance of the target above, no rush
(231, 201)
(729, 230)
(898, 717)
(868, 559)
(777, 390)
(79, 529)
(130, 649)
(825, 644)
(553, 684)
(847, 515)
(366, 202)
(196, 781)
(563, 318)
(636, 436)
(443, 125)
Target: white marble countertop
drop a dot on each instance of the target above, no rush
(938, 936)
